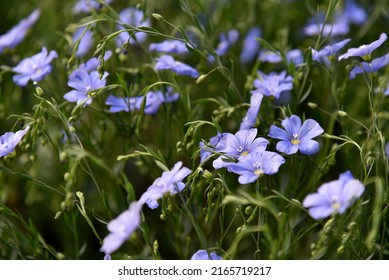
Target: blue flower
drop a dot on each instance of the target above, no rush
(296, 136)
(154, 99)
(135, 18)
(167, 62)
(169, 46)
(85, 42)
(122, 227)
(354, 13)
(273, 84)
(204, 153)
(17, 33)
(34, 68)
(340, 27)
(249, 120)
(226, 41)
(364, 51)
(9, 140)
(373, 66)
(203, 255)
(93, 63)
(334, 197)
(87, 6)
(272, 57)
(250, 45)
(169, 182)
(235, 146)
(328, 51)
(256, 164)
(83, 83)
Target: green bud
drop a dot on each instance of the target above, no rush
(157, 16)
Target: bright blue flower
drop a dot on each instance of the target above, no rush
(83, 83)
(85, 42)
(9, 140)
(204, 153)
(17, 33)
(296, 137)
(122, 227)
(250, 45)
(169, 46)
(203, 255)
(249, 120)
(169, 182)
(34, 68)
(135, 18)
(373, 66)
(87, 6)
(364, 51)
(154, 99)
(167, 62)
(256, 164)
(328, 51)
(294, 55)
(273, 84)
(239, 145)
(334, 197)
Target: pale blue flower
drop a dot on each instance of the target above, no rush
(87, 6)
(203, 255)
(17, 33)
(170, 182)
(354, 13)
(256, 164)
(169, 46)
(226, 41)
(334, 197)
(273, 84)
(9, 140)
(134, 18)
(249, 120)
(364, 51)
(93, 63)
(34, 68)
(167, 62)
(250, 45)
(237, 145)
(272, 57)
(328, 51)
(204, 153)
(83, 84)
(296, 137)
(154, 99)
(339, 27)
(122, 227)
(370, 67)
(86, 41)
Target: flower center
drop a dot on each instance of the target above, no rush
(245, 153)
(295, 140)
(335, 204)
(258, 172)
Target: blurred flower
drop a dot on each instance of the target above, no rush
(167, 62)
(354, 13)
(238, 145)
(9, 140)
(334, 197)
(87, 6)
(204, 153)
(34, 68)
(328, 51)
(169, 182)
(85, 42)
(83, 83)
(107, 257)
(249, 120)
(255, 164)
(366, 67)
(134, 18)
(296, 136)
(17, 33)
(226, 41)
(386, 92)
(338, 28)
(169, 46)
(122, 227)
(364, 51)
(93, 63)
(294, 55)
(273, 84)
(154, 99)
(203, 255)
(250, 45)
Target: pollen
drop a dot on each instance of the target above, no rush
(295, 141)
(245, 153)
(258, 172)
(335, 205)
